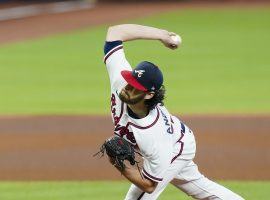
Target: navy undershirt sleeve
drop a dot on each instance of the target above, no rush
(110, 45)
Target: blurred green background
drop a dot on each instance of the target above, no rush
(113, 190)
(223, 66)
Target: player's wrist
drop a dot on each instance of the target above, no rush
(164, 35)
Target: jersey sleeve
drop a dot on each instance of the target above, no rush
(115, 61)
(154, 168)
(155, 157)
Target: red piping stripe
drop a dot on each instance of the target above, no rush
(151, 177)
(122, 110)
(146, 127)
(181, 148)
(180, 152)
(111, 52)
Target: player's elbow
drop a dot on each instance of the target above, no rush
(114, 33)
(111, 30)
(150, 187)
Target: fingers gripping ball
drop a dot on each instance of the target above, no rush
(119, 150)
(176, 39)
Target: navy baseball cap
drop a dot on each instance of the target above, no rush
(145, 77)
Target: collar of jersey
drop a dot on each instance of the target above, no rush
(143, 123)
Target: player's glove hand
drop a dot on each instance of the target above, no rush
(118, 151)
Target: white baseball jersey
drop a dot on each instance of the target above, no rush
(160, 137)
(167, 145)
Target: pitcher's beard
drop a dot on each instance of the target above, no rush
(126, 98)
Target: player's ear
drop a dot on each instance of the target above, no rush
(149, 95)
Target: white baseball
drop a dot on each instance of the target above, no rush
(177, 39)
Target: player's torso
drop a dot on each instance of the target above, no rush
(158, 125)
(158, 133)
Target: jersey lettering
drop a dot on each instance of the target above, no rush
(119, 130)
(166, 120)
(124, 132)
(116, 119)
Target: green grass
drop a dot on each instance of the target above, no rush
(110, 190)
(222, 67)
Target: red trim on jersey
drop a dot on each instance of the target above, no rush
(180, 151)
(122, 110)
(180, 142)
(130, 79)
(151, 177)
(146, 127)
(111, 52)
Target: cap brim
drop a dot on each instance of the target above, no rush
(127, 75)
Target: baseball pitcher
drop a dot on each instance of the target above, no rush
(140, 117)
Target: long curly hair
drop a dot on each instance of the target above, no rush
(156, 99)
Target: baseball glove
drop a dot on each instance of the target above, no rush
(119, 150)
